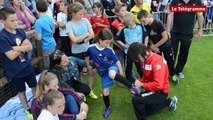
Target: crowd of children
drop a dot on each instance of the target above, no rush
(83, 32)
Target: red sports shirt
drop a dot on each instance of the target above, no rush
(155, 73)
(101, 19)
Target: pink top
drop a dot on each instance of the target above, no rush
(23, 18)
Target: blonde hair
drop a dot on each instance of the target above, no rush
(129, 18)
(51, 96)
(72, 9)
(44, 80)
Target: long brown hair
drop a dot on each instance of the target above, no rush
(104, 34)
(44, 80)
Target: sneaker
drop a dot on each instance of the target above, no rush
(181, 75)
(173, 103)
(136, 89)
(175, 80)
(28, 113)
(107, 112)
(92, 95)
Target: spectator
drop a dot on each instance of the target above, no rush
(109, 6)
(117, 25)
(180, 27)
(154, 8)
(61, 21)
(89, 8)
(79, 29)
(139, 5)
(131, 33)
(7, 3)
(73, 106)
(44, 28)
(54, 105)
(159, 41)
(66, 68)
(14, 58)
(99, 20)
(25, 16)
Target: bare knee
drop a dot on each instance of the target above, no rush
(106, 91)
(112, 74)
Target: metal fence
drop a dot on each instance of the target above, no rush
(208, 20)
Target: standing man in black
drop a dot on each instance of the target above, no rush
(181, 31)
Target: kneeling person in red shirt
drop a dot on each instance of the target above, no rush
(154, 81)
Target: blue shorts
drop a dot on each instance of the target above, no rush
(19, 82)
(106, 80)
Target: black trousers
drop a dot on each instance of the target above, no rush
(169, 57)
(65, 45)
(149, 103)
(129, 68)
(185, 43)
(79, 86)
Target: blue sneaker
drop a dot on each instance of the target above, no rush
(136, 90)
(181, 75)
(107, 112)
(173, 103)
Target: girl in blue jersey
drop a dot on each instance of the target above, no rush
(107, 64)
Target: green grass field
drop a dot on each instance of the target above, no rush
(195, 92)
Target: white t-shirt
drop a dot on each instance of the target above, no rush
(46, 115)
(61, 17)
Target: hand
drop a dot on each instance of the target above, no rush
(23, 7)
(81, 95)
(84, 107)
(127, 46)
(92, 71)
(154, 49)
(169, 34)
(93, 26)
(88, 34)
(81, 116)
(89, 68)
(98, 24)
(200, 33)
(138, 83)
(86, 39)
(157, 50)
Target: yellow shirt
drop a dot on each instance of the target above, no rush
(135, 11)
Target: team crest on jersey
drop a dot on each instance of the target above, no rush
(18, 41)
(148, 67)
(105, 58)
